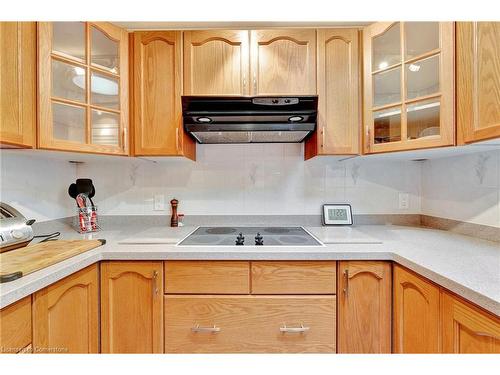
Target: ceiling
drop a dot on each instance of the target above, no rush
(231, 25)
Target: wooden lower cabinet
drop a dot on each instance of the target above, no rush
(416, 323)
(131, 307)
(364, 307)
(467, 329)
(249, 324)
(66, 315)
(15, 327)
(293, 277)
(207, 277)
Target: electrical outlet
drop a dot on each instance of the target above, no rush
(159, 202)
(404, 201)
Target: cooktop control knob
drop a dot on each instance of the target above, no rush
(17, 234)
(240, 240)
(259, 240)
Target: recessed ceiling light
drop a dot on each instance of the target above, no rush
(414, 68)
(79, 71)
(100, 85)
(383, 65)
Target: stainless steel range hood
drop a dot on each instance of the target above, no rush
(240, 119)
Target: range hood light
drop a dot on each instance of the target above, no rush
(295, 118)
(204, 120)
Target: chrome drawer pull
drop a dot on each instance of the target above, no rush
(300, 329)
(213, 329)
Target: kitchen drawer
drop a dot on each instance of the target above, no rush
(207, 277)
(293, 277)
(15, 326)
(249, 324)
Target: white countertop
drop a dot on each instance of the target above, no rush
(467, 266)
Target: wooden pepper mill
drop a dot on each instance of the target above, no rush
(174, 220)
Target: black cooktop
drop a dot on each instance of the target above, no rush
(250, 236)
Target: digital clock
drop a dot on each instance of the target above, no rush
(337, 214)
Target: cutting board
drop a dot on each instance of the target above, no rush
(23, 261)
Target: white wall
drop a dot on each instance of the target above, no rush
(36, 186)
(253, 179)
(464, 188)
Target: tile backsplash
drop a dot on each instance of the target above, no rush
(465, 188)
(258, 179)
(36, 186)
(253, 179)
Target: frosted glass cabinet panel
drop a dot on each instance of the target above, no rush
(420, 38)
(408, 86)
(422, 77)
(387, 125)
(69, 81)
(104, 50)
(423, 119)
(69, 122)
(68, 38)
(387, 87)
(105, 128)
(105, 90)
(387, 48)
(83, 103)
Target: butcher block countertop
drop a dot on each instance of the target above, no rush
(29, 259)
(465, 265)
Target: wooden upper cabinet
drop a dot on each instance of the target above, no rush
(66, 315)
(416, 323)
(216, 62)
(131, 307)
(467, 329)
(339, 100)
(157, 88)
(283, 62)
(408, 86)
(364, 307)
(478, 81)
(83, 87)
(17, 84)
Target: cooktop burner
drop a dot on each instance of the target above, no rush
(220, 230)
(250, 236)
(277, 230)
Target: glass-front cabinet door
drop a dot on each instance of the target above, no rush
(83, 79)
(408, 86)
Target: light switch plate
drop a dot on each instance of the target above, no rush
(159, 202)
(404, 201)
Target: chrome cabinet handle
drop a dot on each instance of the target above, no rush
(155, 286)
(255, 83)
(212, 329)
(244, 83)
(300, 329)
(346, 283)
(323, 137)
